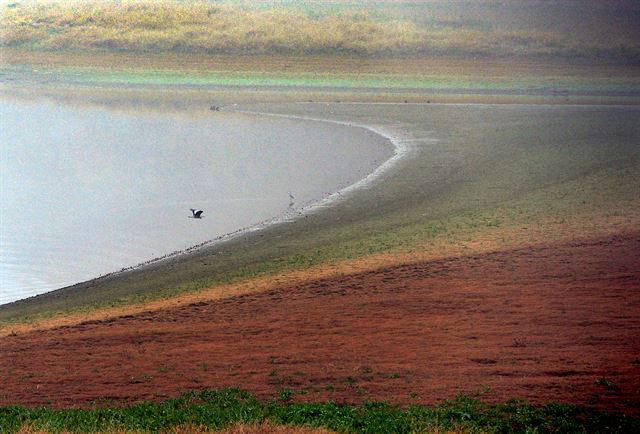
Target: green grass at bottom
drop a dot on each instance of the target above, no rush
(216, 409)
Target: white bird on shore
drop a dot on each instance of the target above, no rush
(197, 214)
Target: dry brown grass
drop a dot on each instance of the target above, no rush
(197, 27)
(207, 27)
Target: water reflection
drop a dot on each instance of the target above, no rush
(88, 190)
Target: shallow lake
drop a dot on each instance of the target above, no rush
(88, 190)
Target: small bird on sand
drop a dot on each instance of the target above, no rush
(197, 214)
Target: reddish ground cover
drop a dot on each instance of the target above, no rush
(555, 322)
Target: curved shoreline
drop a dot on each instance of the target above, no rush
(384, 216)
(400, 150)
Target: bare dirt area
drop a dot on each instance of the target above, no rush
(554, 322)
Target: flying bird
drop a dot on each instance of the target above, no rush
(197, 214)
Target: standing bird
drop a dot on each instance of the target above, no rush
(196, 214)
(292, 200)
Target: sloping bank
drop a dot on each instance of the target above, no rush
(474, 169)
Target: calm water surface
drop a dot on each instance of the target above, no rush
(87, 191)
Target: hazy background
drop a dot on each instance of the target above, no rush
(570, 29)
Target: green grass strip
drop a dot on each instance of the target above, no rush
(340, 80)
(218, 409)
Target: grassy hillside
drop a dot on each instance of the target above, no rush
(388, 28)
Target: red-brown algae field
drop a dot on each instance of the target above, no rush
(555, 322)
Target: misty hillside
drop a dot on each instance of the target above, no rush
(607, 30)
